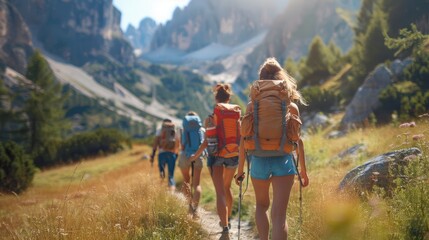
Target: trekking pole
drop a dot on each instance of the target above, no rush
(192, 183)
(240, 197)
(296, 162)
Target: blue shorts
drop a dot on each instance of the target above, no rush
(265, 167)
(219, 161)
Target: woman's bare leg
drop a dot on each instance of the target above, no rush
(228, 175)
(197, 187)
(186, 183)
(217, 177)
(282, 187)
(262, 188)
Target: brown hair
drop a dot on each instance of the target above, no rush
(222, 92)
(271, 70)
(191, 113)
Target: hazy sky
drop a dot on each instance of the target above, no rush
(135, 10)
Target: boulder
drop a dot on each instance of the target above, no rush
(353, 152)
(379, 171)
(398, 66)
(336, 134)
(314, 121)
(365, 100)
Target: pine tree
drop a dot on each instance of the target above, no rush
(317, 65)
(44, 109)
(402, 13)
(374, 50)
(4, 98)
(364, 16)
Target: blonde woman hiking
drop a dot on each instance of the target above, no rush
(269, 135)
(222, 141)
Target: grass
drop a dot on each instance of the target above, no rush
(120, 200)
(327, 214)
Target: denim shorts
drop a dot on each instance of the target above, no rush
(265, 167)
(184, 163)
(218, 161)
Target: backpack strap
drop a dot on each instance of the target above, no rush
(255, 125)
(284, 136)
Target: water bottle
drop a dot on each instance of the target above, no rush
(212, 143)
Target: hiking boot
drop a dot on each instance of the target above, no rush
(195, 215)
(225, 230)
(229, 223)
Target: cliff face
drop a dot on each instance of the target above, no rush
(293, 30)
(77, 31)
(221, 21)
(15, 38)
(141, 37)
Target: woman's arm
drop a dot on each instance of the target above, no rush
(199, 151)
(241, 160)
(241, 153)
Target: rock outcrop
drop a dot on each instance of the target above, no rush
(365, 100)
(77, 31)
(141, 37)
(379, 171)
(293, 30)
(225, 22)
(15, 38)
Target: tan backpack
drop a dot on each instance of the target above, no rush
(168, 136)
(269, 128)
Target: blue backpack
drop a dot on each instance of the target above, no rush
(192, 134)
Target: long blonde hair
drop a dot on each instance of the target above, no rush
(271, 70)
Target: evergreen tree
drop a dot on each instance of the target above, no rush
(317, 65)
(374, 50)
(292, 68)
(13, 123)
(44, 109)
(401, 13)
(4, 113)
(364, 16)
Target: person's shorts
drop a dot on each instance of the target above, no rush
(219, 161)
(265, 167)
(184, 163)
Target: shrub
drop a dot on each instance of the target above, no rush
(319, 100)
(91, 144)
(16, 168)
(409, 207)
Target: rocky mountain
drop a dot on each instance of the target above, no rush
(224, 22)
(141, 37)
(77, 31)
(15, 38)
(294, 29)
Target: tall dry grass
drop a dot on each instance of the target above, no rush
(128, 203)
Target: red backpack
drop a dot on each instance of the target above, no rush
(227, 120)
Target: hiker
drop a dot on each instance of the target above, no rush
(222, 140)
(168, 143)
(192, 137)
(269, 135)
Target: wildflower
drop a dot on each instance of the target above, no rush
(418, 136)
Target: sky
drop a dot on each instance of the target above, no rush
(135, 10)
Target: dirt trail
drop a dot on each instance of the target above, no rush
(210, 222)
